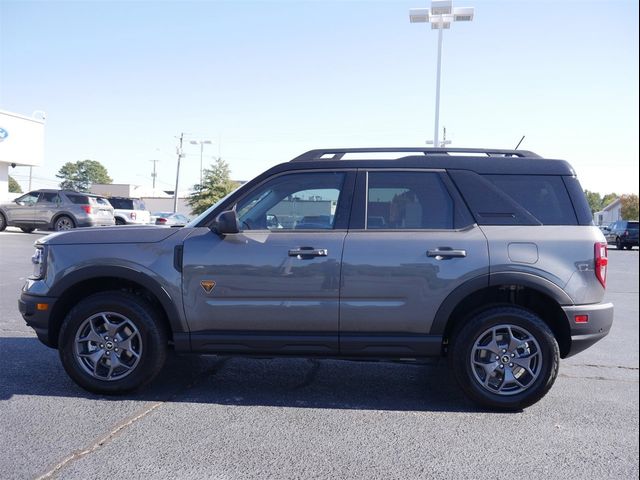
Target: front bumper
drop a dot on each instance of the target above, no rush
(583, 335)
(37, 317)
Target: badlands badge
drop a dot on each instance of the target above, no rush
(207, 285)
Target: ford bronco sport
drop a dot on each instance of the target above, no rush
(488, 257)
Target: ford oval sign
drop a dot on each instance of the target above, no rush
(3, 134)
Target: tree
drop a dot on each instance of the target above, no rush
(82, 174)
(629, 207)
(215, 185)
(608, 198)
(14, 187)
(595, 201)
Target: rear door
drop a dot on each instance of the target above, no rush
(47, 206)
(410, 244)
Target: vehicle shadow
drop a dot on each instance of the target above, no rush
(30, 368)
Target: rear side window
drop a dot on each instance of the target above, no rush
(408, 200)
(78, 199)
(49, 197)
(139, 205)
(544, 196)
(101, 201)
(632, 226)
(122, 203)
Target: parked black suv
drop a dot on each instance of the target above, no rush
(488, 257)
(623, 234)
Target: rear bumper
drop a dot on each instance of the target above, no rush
(35, 318)
(583, 335)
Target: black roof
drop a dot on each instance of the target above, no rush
(484, 161)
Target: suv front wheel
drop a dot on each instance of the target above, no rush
(112, 343)
(505, 358)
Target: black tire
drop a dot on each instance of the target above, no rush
(467, 372)
(619, 244)
(63, 223)
(120, 221)
(150, 342)
(3, 222)
(27, 230)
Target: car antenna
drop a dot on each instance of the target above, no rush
(519, 142)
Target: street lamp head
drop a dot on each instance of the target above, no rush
(419, 15)
(441, 15)
(441, 7)
(463, 14)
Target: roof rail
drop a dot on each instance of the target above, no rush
(339, 153)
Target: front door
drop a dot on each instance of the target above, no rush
(22, 211)
(274, 286)
(414, 244)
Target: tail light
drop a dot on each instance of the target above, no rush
(601, 262)
(86, 208)
(161, 220)
(132, 215)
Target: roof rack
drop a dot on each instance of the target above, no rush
(339, 153)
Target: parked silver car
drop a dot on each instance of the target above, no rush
(56, 210)
(169, 218)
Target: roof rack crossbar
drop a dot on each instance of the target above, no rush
(339, 153)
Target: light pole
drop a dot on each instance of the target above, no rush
(202, 143)
(180, 155)
(440, 16)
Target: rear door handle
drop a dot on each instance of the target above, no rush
(308, 252)
(444, 253)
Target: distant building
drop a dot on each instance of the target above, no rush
(609, 214)
(155, 200)
(21, 144)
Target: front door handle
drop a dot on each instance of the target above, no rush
(308, 252)
(445, 253)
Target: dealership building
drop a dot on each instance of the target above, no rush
(21, 144)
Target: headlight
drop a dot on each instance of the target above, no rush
(39, 263)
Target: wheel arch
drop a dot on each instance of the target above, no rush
(532, 293)
(90, 280)
(55, 218)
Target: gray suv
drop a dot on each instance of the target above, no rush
(56, 210)
(487, 257)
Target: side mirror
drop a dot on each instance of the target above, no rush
(226, 222)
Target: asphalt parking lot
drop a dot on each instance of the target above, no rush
(211, 417)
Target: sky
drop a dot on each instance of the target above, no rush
(265, 81)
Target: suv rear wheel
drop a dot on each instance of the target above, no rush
(505, 358)
(112, 343)
(63, 223)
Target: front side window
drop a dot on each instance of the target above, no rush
(27, 199)
(298, 201)
(408, 200)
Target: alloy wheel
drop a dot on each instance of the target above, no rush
(108, 346)
(506, 359)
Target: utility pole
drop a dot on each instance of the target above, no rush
(154, 174)
(180, 155)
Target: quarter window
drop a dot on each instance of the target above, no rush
(408, 200)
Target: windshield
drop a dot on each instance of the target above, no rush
(201, 217)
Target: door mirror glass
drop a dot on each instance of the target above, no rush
(226, 222)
